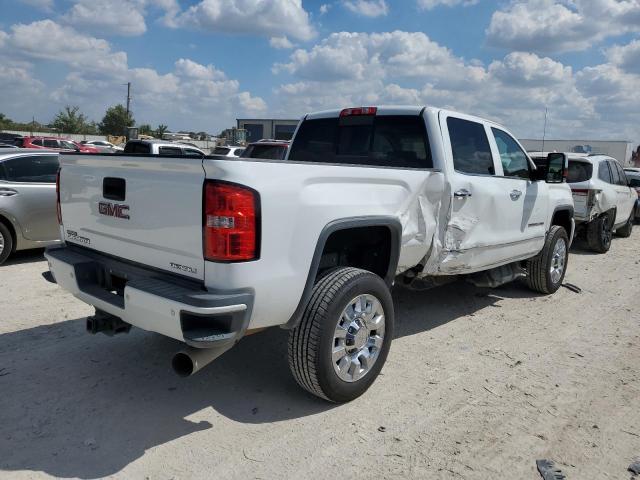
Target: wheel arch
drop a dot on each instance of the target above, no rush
(390, 224)
(563, 217)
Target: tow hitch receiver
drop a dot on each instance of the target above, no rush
(106, 323)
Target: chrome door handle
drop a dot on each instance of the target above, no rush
(515, 194)
(7, 192)
(462, 193)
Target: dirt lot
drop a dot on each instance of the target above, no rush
(478, 383)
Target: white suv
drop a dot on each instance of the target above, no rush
(603, 201)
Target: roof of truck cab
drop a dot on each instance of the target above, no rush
(382, 110)
(400, 110)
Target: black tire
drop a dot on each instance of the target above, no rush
(6, 241)
(599, 234)
(312, 341)
(539, 276)
(625, 231)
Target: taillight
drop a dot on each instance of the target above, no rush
(230, 223)
(58, 208)
(350, 112)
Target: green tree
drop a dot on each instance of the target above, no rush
(145, 129)
(5, 122)
(161, 130)
(116, 121)
(70, 120)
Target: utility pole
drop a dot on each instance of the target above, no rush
(128, 105)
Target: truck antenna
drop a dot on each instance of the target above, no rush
(544, 132)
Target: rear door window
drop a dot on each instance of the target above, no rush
(622, 176)
(48, 143)
(170, 151)
(137, 147)
(190, 152)
(38, 142)
(470, 147)
(615, 176)
(604, 173)
(579, 171)
(269, 152)
(32, 169)
(221, 151)
(392, 141)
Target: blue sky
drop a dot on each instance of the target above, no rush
(200, 64)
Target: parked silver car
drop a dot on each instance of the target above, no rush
(28, 216)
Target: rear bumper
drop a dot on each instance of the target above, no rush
(152, 300)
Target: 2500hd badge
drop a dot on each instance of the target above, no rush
(74, 237)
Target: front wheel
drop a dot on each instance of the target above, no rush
(545, 271)
(627, 228)
(342, 341)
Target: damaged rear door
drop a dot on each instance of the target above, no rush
(481, 231)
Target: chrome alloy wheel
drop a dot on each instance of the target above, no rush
(358, 338)
(1, 243)
(558, 260)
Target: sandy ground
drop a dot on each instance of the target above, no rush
(478, 384)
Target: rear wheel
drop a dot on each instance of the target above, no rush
(625, 231)
(6, 243)
(545, 271)
(342, 341)
(599, 234)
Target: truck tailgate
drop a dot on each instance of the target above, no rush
(147, 209)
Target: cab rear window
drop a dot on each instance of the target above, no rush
(387, 141)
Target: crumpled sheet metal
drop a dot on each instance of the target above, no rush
(421, 221)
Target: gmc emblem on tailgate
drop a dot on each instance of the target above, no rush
(114, 210)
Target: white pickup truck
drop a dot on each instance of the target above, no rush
(209, 250)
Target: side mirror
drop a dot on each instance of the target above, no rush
(556, 167)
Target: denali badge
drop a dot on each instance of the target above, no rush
(114, 210)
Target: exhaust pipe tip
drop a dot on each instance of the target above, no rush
(183, 364)
(191, 360)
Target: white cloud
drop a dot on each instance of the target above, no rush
(121, 17)
(115, 17)
(270, 18)
(367, 8)
(627, 57)
(192, 95)
(363, 56)
(48, 40)
(429, 4)
(324, 8)
(350, 69)
(189, 68)
(561, 25)
(280, 42)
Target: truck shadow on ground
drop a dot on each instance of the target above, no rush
(75, 405)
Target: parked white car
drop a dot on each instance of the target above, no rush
(162, 147)
(604, 202)
(104, 146)
(209, 251)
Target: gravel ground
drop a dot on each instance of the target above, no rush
(478, 384)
